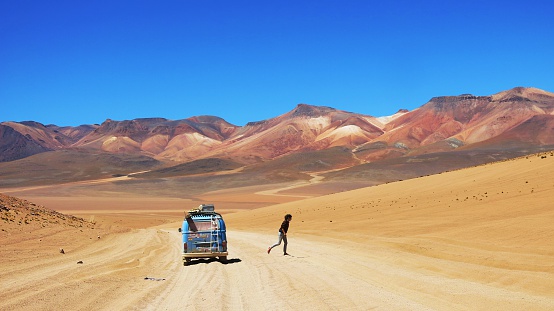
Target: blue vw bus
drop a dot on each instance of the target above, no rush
(204, 234)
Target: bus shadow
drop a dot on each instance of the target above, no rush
(210, 260)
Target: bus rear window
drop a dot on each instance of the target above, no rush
(202, 225)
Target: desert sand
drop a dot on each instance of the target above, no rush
(473, 239)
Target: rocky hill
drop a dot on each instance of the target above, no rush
(17, 214)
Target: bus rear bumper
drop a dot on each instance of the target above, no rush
(204, 255)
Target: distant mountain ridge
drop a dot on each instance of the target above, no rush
(443, 124)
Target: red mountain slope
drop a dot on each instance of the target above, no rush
(443, 124)
(22, 139)
(176, 140)
(304, 128)
(451, 121)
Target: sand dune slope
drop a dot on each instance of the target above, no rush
(479, 238)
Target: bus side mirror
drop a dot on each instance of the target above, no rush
(180, 230)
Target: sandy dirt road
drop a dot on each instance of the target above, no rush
(142, 270)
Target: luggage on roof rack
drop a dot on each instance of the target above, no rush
(203, 209)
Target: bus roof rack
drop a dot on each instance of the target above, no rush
(205, 209)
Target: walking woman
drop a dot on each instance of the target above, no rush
(283, 234)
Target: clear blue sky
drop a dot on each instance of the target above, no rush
(81, 62)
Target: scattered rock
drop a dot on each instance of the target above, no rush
(79, 262)
(62, 251)
(153, 279)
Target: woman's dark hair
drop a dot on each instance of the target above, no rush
(288, 216)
